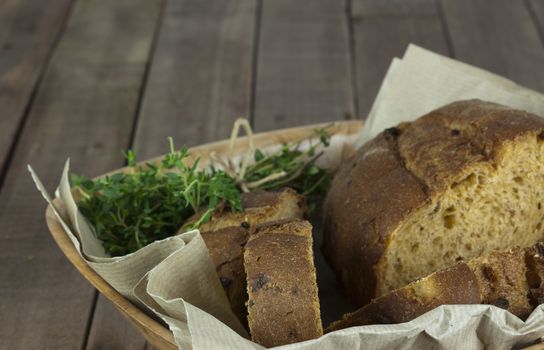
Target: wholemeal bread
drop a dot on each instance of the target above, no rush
(226, 248)
(459, 182)
(259, 207)
(512, 280)
(283, 305)
(227, 232)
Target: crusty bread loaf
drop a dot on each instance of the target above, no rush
(512, 280)
(283, 305)
(227, 233)
(458, 182)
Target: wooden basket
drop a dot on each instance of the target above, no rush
(154, 332)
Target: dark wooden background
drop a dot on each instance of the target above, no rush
(86, 78)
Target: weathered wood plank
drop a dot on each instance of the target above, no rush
(303, 66)
(497, 35)
(536, 7)
(382, 30)
(84, 108)
(110, 330)
(28, 32)
(413, 8)
(200, 79)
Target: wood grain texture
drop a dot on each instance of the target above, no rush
(84, 108)
(497, 35)
(413, 8)
(536, 7)
(110, 330)
(28, 31)
(382, 31)
(303, 66)
(200, 79)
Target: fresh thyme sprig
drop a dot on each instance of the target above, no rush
(151, 202)
(298, 166)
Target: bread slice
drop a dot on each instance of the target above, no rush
(511, 279)
(283, 304)
(226, 250)
(459, 182)
(259, 207)
(226, 234)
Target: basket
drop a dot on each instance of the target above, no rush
(154, 332)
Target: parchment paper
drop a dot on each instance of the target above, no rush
(175, 268)
(175, 278)
(422, 81)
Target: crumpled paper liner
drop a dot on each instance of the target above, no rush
(423, 81)
(446, 327)
(173, 270)
(175, 278)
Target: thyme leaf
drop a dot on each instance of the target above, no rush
(152, 201)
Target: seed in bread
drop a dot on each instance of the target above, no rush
(283, 305)
(461, 181)
(511, 279)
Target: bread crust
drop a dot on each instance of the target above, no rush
(510, 279)
(227, 232)
(226, 250)
(401, 170)
(455, 285)
(283, 305)
(259, 207)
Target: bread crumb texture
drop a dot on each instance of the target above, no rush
(283, 306)
(494, 205)
(459, 182)
(511, 279)
(259, 207)
(227, 233)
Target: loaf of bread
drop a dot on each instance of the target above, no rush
(226, 234)
(283, 305)
(461, 181)
(511, 279)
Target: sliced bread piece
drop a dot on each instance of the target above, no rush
(226, 234)
(461, 181)
(226, 248)
(259, 207)
(512, 280)
(283, 306)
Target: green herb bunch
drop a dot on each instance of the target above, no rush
(301, 172)
(152, 201)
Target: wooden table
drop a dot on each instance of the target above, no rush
(87, 78)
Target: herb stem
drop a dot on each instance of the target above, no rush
(264, 180)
